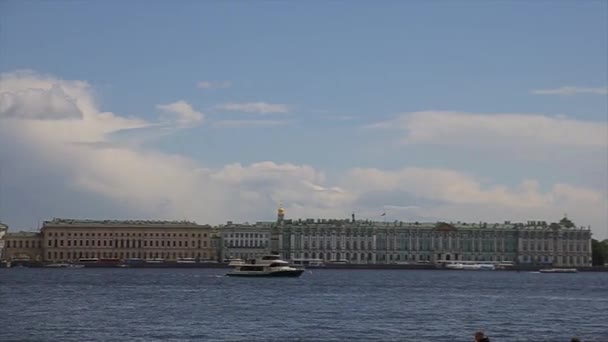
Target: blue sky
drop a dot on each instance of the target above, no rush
(339, 68)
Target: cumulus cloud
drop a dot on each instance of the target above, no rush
(69, 166)
(569, 91)
(185, 115)
(213, 84)
(38, 104)
(255, 107)
(440, 194)
(458, 128)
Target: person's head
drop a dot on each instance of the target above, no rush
(479, 335)
(574, 339)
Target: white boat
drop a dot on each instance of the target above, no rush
(186, 261)
(558, 270)
(267, 266)
(63, 265)
(235, 262)
(476, 267)
(155, 261)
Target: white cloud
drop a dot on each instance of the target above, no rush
(38, 104)
(458, 128)
(69, 167)
(255, 107)
(439, 194)
(186, 115)
(568, 91)
(214, 84)
(249, 123)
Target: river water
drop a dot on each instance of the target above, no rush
(321, 305)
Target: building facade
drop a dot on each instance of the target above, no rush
(245, 241)
(24, 246)
(534, 243)
(65, 240)
(361, 242)
(3, 230)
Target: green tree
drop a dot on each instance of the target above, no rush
(599, 252)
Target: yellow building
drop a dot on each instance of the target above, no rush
(65, 240)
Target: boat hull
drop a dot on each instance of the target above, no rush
(559, 270)
(289, 273)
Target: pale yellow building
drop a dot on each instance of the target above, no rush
(66, 240)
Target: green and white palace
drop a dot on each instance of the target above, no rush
(368, 242)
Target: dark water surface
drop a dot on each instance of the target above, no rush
(325, 305)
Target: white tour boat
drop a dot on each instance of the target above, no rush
(267, 266)
(236, 262)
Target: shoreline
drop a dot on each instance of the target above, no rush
(355, 267)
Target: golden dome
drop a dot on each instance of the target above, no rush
(281, 211)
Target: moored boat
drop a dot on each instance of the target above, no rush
(558, 270)
(63, 265)
(267, 266)
(466, 266)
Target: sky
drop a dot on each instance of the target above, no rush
(223, 110)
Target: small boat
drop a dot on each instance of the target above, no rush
(63, 265)
(267, 266)
(186, 261)
(475, 267)
(155, 261)
(558, 270)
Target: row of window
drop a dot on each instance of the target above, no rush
(562, 260)
(23, 244)
(546, 246)
(246, 243)
(357, 257)
(406, 235)
(123, 255)
(419, 245)
(130, 234)
(126, 243)
(248, 235)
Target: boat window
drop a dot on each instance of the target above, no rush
(251, 268)
(278, 264)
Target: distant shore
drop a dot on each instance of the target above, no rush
(518, 268)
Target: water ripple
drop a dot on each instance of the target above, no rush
(327, 305)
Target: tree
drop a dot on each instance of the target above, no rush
(599, 252)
